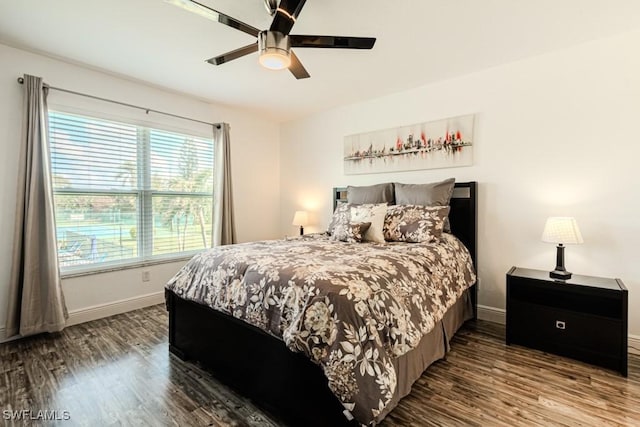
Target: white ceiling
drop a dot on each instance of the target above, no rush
(419, 41)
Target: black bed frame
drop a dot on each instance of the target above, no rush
(259, 366)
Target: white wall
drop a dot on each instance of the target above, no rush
(555, 135)
(255, 168)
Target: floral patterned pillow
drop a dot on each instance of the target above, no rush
(414, 223)
(346, 213)
(373, 213)
(341, 217)
(352, 232)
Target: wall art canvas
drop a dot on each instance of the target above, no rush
(443, 143)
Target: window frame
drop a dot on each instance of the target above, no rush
(143, 193)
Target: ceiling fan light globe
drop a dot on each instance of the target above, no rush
(275, 59)
(274, 48)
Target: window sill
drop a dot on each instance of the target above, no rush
(120, 267)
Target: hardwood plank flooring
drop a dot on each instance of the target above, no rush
(118, 371)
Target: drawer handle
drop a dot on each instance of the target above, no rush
(560, 324)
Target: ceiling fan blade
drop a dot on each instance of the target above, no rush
(297, 69)
(333, 42)
(214, 15)
(286, 15)
(234, 54)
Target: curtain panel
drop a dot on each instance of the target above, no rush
(224, 228)
(36, 302)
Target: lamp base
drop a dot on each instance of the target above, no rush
(558, 274)
(302, 230)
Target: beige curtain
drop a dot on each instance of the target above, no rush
(36, 303)
(224, 227)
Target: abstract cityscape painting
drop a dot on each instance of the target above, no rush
(443, 143)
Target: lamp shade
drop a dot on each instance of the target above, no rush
(560, 229)
(301, 218)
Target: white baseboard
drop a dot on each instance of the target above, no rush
(492, 314)
(103, 310)
(634, 344)
(100, 311)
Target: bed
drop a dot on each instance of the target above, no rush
(285, 360)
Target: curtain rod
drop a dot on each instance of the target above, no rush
(147, 110)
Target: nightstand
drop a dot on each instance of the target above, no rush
(584, 318)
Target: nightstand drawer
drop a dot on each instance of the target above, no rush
(548, 328)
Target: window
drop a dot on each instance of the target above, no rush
(125, 194)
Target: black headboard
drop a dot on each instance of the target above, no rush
(463, 218)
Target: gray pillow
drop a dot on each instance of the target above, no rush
(432, 194)
(379, 193)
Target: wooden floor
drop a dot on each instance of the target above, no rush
(118, 371)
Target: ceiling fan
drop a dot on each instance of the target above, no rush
(274, 44)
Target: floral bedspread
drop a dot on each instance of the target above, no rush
(350, 307)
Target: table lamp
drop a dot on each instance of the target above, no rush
(563, 231)
(301, 218)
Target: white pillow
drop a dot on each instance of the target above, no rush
(375, 215)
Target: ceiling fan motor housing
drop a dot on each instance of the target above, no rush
(275, 49)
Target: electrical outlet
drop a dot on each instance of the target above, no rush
(146, 275)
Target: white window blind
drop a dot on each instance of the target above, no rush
(125, 193)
